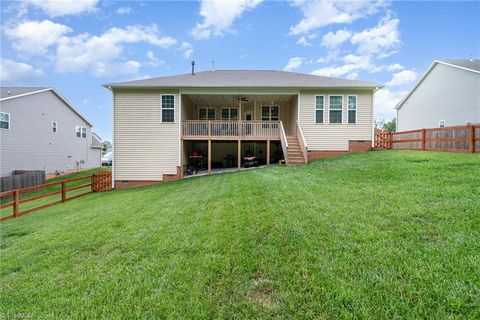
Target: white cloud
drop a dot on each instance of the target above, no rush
(55, 8)
(102, 69)
(352, 65)
(187, 49)
(294, 63)
(381, 40)
(18, 73)
(124, 10)
(321, 13)
(154, 61)
(334, 40)
(218, 16)
(305, 39)
(395, 67)
(34, 37)
(87, 52)
(402, 78)
(385, 101)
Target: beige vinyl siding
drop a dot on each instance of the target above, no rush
(335, 137)
(145, 148)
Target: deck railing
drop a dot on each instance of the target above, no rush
(242, 129)
(302, 142)
(284, 142)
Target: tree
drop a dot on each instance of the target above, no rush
(390, 125)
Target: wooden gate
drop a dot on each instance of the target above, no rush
(383, 139)
(102, 181)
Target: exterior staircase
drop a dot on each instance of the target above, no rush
(295, 155)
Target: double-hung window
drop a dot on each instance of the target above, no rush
(168, 107)
(270, 113)
(319, 106)
(206, 113)
(336, 106)
(229, 113)
(81, 131)
(54, 126)
(352, 109)
(5, 120)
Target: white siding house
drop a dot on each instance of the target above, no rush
(40, 130)
(448, 94)
(165, 127)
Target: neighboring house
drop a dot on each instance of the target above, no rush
(212, 119)
(448, 94)
(41, 130)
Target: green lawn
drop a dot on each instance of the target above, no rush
(379, 235)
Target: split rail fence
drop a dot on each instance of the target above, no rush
(464, 139)
(99, 181)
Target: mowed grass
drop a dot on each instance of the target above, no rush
(389, 235)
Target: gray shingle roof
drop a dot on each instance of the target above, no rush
(244, 78)
(469, 64)
(15, 91)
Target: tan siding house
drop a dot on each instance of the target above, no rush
(170, 127)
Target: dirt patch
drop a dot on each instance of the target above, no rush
(262, 293)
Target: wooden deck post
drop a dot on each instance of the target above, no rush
(424, 137)
(268, 152)
(239, 161)
(209, 156)
(471, 144)
(64, 193)
(16, 199)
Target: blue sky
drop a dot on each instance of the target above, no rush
(76, 46)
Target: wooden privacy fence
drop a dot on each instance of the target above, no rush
(450, 139)
(100, 181)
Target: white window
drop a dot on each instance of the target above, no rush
(206, 113)
(168, 107)
(441, 123)
(319, 107)
(229, 113)
(336, 107)
(352, 109)
(270, 113)
(5, 120)
(54, 126)
(81, 132)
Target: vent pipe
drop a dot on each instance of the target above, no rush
(193, 68)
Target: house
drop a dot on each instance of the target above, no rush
(167, 127)
(448, 94)
(41, 130)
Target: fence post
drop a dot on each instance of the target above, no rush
(16, 196)
(92, 181)
(390, 140)
(424, 136)
(471, 130)
(64, 193)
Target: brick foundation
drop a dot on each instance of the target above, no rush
(122, 184)
(354, 146)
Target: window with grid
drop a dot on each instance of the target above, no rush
(81, 132)
(352, 109)
(319, 105)
(270, 113)
(229, 114)
(5, 120)
(168, 108)
(206, 114)
(336, 106)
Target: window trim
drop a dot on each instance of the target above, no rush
(54, 126)
(315, 109)
(206, 113)
(161, 107)
(341, 109)
(269, 111)
(9, 121)
(229, 113)
(440, 123)
(81, 131)
(356, 108)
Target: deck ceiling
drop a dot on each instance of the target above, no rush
(233, 100)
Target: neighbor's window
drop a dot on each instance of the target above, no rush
(81, 131)
(319, 103)
(270, 113)
(5, 120)
(441, 123)
(352, 109)
(336, 106)
(168, 108)
(229, 113)
(54, 126)
(206, 113)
